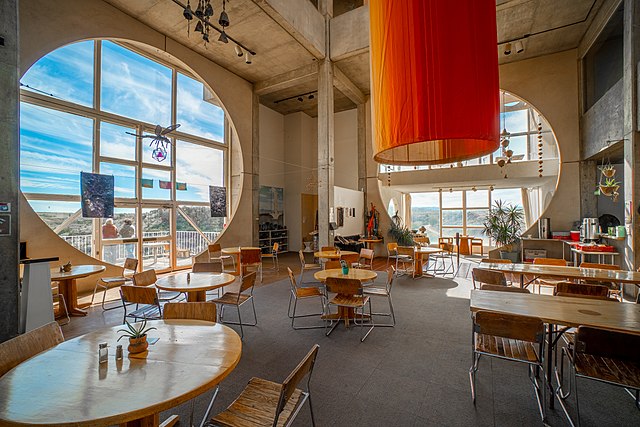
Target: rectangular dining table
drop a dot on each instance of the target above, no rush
(565, 312)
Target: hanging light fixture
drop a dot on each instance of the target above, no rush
(239, 51)
(208, 9)
(224, 18)
(223, 37)
(433, 103)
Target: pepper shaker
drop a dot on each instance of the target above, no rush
(119, 352)
(103, 353)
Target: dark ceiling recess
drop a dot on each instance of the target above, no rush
(300, 98)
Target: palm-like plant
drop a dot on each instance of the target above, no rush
(402, 234)
(504, 224)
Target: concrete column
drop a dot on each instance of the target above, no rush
(631, 135)
(9, 167)
(255, 169)
(325, 145)
(588, 180)
(362, 151)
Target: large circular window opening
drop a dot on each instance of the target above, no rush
(97, 107)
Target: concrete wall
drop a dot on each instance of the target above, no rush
(271, 148)
(347, 198)
(346, 149)
(46, 26)
(603, 122)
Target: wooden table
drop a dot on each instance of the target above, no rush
(463, 245)
(562, 311)
(419, 253)
(66, 386)
(362, 275)
(235, 252)
(195, 285)
(68, 287)
(370, 242)
(333, 254)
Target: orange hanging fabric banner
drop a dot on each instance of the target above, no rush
(434, 80)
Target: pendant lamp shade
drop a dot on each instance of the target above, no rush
(434, 80)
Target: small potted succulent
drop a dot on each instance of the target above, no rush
(137, 334)
(609, 187)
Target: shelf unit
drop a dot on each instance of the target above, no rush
(267, 238)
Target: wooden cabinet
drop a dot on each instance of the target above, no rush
(268, 237)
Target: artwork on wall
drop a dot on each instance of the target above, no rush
(271, 204)
(96, 195)
(218, 201)
(340, 216)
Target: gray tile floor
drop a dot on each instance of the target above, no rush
(413, 374)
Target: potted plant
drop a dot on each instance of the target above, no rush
(504, 226)
(608, 170)
(137, 336)
(401, 234)
(609, 187)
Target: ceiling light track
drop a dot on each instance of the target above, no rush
(224, 37)
(308, 95)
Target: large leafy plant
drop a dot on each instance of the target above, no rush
(401, 234)
(504, 224)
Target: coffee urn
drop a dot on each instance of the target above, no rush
(590, 229)
(544, 228)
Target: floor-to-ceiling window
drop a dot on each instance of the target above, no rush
(79, 106)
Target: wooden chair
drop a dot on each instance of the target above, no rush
(510, 337)
(475, 243)
(129, 268)
(190, 310)
(543, 281)
(366, 259)
(489, 277)
(421, 240)
(298, 293)
(350, 259)
(146, 300)
(614, 288)
(149, 278)
(406, 257)
(383, 291)
(236, 299)
(331, 265)
(511, 278)
(216, 255)
(392, 252)
(266, 403)
(62, 304)
(274, 256)
(251, 259)
(329, 249)
(500, 288)
(206, 267)
(349, 296)
(601, 355)
(571, 289)
(304, 266)
(18, 349)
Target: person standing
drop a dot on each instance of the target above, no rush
(128, 231)
(109, 231)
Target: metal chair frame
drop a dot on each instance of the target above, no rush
(304, 266)
(61, 303)
(130, 264)
(150, 310)
(373, 290)
(274, 256)
(405, 259)
(248, 283)
(293, 296)
(357, 291)
(215, 254)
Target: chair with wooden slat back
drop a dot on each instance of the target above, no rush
(392, 252)
(329, 265)
(365, 260)
(129, 268)
(377, 290)
(216, 255)
(146, 300)
(489, 277)
(614, 288)
(406, 257)
(509, 337)
(207, 267)
(349, 295)
(500, 288)
(305, 266)
(190, 310)
(266, 403)
(149, 278)
(544, 281)
(511, 278)
(349, 258)
(581, 290)
(605, 356)
(251, 258)
(18, 349)
(298, 293)
(273, 254)
(237, 299)
(476, 242)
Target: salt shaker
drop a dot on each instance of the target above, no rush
(103, 353)
(119, 352)
(188, 277)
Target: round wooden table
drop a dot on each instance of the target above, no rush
(195, 285)
(68, 287)
(67, 386)
(333, 254)
(345, 313)
(235, 252)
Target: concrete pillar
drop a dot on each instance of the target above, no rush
(631, 135)
(325, 145)
(589, 175)
(362, 151)
(9, 168)
(255, 170)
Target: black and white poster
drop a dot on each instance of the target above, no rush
(97, 195)
(218, 201)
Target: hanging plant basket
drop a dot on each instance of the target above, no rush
(609, 173)
(608, 190)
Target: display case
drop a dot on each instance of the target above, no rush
(268, 237)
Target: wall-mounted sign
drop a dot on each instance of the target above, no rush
(5, 207)
(5, 225)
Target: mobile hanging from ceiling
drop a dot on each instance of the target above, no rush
(204, 14)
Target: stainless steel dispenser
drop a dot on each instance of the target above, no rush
(544, 228)
(590, 229)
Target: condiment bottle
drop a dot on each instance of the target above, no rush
(103, 353)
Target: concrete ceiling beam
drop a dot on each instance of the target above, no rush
(605, 11)
(303, 22)
(350, 33)
(286, 80)
(346, 86)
